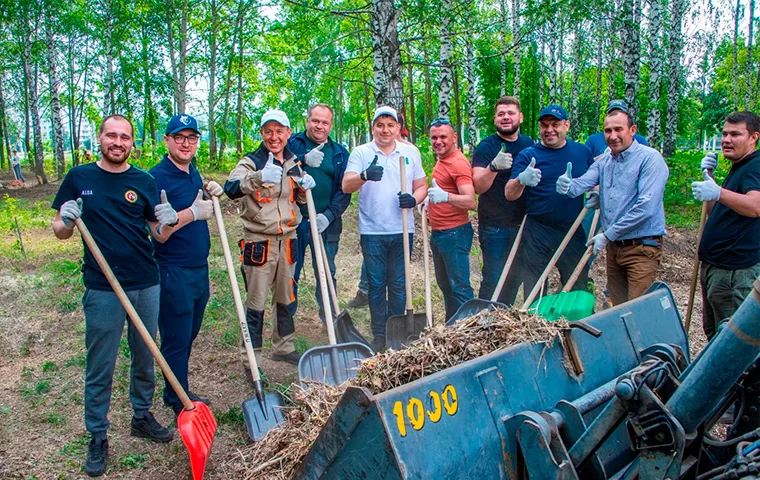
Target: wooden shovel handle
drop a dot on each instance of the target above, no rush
(426, 250)
(695, 270)
(330, 285)
(510, 261)
(316, 240)
(405, 229)
(578, 268)
(132, 313)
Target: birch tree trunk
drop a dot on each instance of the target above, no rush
(31, 80)
(749, 94)
(598, 90)
(444, 89)
(674, 78)
(553, 90)
(503, 42)
(239, 118)
(457, 108)
(541, 56)
(737, 14)
(630, 53)
(109, 97)
(178, 57)
(55, 103)
(212, 85)
(472, 98)
(517, 51)
(575, 117)
(412, 120)
(389, 88)
(3, 123)
(428, 106)
(654, 121)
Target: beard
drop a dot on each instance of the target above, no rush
(507, 131)
(113, 156)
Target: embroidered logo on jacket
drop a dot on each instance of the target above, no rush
(131, 196)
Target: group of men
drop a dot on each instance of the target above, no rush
(516, 181)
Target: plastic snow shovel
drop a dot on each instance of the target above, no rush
(262, 413)
(404, 329)
(335, 363)
(196, 423)
(345, 331)
(475, 305)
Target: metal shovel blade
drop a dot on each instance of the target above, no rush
(332, 364)
(346, 332)
(472, 307)
(404, 329)
(197, 428)
(263, 416)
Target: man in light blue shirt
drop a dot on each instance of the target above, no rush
(631, 179)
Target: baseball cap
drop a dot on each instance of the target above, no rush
(617, 105)
(385, 110)
(277, 116)
(181, 122)
(553, 111)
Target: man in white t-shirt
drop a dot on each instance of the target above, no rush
(373, 171)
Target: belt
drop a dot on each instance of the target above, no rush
(636, 241)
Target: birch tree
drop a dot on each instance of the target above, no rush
(630, 52)
(444, 89)
(389, 89)
(678, 10)
(516, 50)
(654, 121)
(55, 103)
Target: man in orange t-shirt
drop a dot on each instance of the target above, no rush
(450, 197)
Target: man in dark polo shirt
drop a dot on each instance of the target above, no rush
(183, 258)
(534, 177)
(498, 219)
(730, 246)
(119, 203)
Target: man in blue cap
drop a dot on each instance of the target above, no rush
(183, 258)
(534, 174)
(596, 142)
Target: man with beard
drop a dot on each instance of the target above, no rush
(499, 220)
(120, 205)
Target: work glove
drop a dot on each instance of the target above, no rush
(709, 162)
(531, 176)
(592, 200)
(315, 156)
(423, 205)
(306, 181)
(373, 173)
(202, 209)
(322, 222)
(707, 190)
(271, 173)
(214, 189)
(406, 200)
(436, 194)
(502, 161)
(599, 241)
(70, 211)
(565, 180)
(165, 213)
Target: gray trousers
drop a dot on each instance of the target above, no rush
(722, 293)
(104, 322)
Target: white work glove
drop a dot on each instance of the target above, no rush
(271, 173)
(565, 180)
(706, 191)
(592, 200)
(70, 211)
(214, 189)
(322, 222)
(306, 181)
(202, 209)
(436, 194)
(599, 241)
(315, 156)
(502, 161)
(709, 162)
(531, 176)
(423, 205)
(165, 213)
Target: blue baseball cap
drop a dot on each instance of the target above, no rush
(617, 105)
(553, 111)
(181, 122)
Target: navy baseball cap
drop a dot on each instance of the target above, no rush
(553, 111)
(181, 122)
(617, 105)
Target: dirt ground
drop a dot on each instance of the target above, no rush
(42, 431)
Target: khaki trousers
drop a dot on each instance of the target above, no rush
(631, 270)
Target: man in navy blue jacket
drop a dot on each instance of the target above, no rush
(325, 160)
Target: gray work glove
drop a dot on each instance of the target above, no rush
(306, 181)
(592, 200)
(707, 190)
(214, 189)
(315, 156)
(502, 161)
(599, 241)
(565, 180)
(322, 222)
(531, 176)
(202, 209)
(70, 211)
(709, 162)
(271, 173)
(165, 213)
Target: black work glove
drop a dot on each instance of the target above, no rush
(406, 200)
(373, 173)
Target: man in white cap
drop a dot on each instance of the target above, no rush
(373, 171)
(270, 184)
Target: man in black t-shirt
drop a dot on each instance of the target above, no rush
(499, 219)
(120, 205)
(730, 246)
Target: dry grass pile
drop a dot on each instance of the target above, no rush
(280, 453)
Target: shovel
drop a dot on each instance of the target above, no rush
(472, 307)
(695, 271)
(426, 250)
(345, 331)
(196, 423)
(335, 363)
(264, 412)
(404, 329)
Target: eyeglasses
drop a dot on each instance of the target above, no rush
(192, 139)
(440, 121)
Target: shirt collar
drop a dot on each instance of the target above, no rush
(377, 149)
(626, 154)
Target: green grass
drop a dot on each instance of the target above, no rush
(301, 343)
(49, 367)
(76, 447)
(133, 461)
(681, 210)
(233, 416)
(55, 418)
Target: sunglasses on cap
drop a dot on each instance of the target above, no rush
(440, 121)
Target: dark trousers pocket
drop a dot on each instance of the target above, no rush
(292, 250)
(255, 253)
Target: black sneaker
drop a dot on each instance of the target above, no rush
(97, 457)
(197, 398)
(378, 343)
(291, 358)
(359, 301)
(148, 427)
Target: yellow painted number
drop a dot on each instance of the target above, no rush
(450, 402)
(415, 410)
(416, 413)
(398, 410)
(435, 400)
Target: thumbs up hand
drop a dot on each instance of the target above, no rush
(502, 161)
(436, 194)
(706, 190)
(531, 176)
(271, 173)
(564, 181)
(315, 156)
(165, 213)
(373, 173)
(202, 209)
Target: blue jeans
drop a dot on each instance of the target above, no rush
(303, 231)
(184, 294)
(451, 260)
(17, 171)
(363, 280)
(104, 322)
(495, 243)
(384, 258)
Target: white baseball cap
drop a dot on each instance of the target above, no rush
(275, 115)
(385, 110)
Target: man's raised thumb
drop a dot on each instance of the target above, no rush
(163, 197)
(435, 185)
(374, 161)
(569, 172)
(270, 160)
(705, 175)
(319, 147)
(199, 196)
(532, 163)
